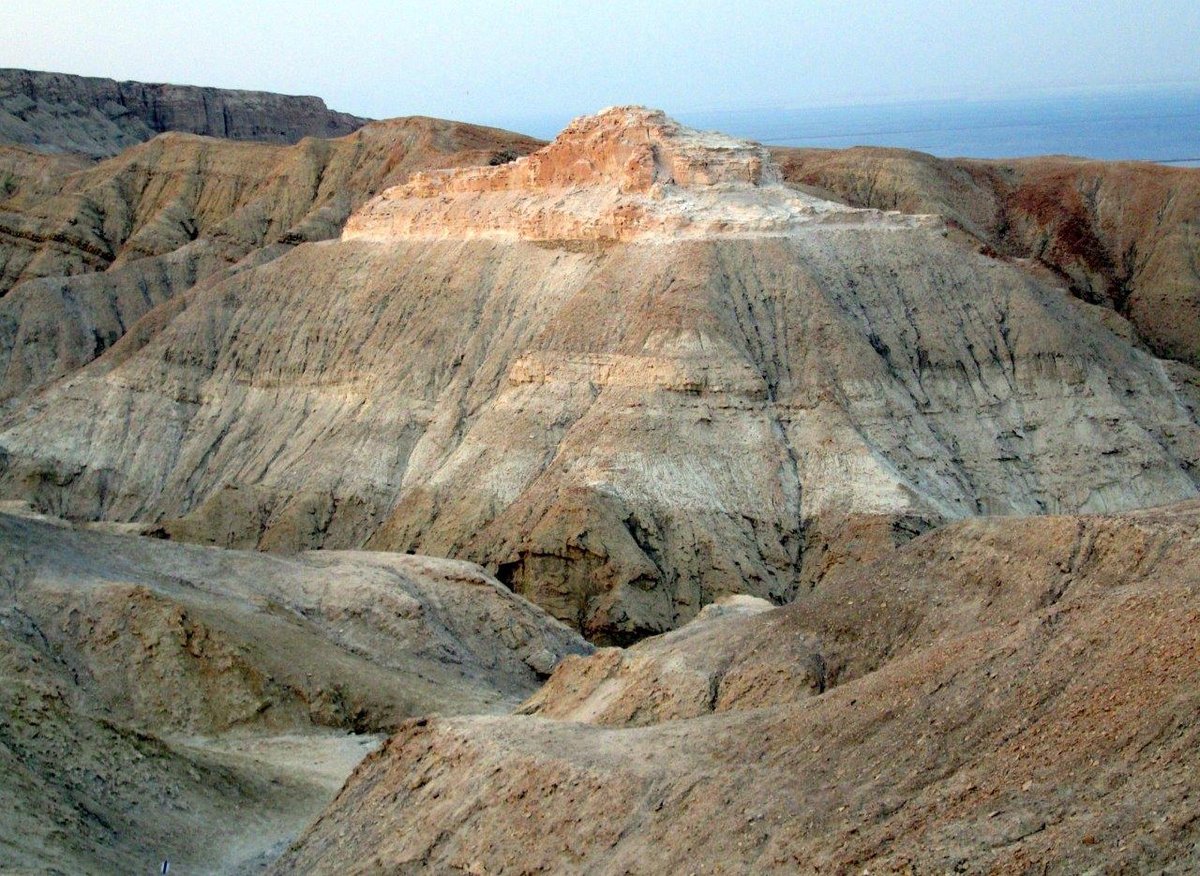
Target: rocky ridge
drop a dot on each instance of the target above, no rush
(622, 430)
(1001, 695)
(1119, 234)
(86, 251)
(621, 175)
(58, 112)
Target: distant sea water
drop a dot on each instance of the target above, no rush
(1161, 124)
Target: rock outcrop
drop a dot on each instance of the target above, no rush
(625, 174)
(658, 382)
(1002, 696)
(627, 422)
(170, 701)
(58, 112)
(714, 663)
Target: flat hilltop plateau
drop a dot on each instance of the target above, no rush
(89, 115)
(643, 501)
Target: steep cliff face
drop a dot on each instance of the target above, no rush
(58, 112)
(1120, 234)
(625, 394)
(86, 252)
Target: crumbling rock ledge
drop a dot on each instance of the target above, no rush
(624, 174)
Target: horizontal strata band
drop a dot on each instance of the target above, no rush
(625, 174)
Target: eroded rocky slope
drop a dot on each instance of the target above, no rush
(58, 112)
(86, 251)
(168, 701)
(1120, 234)
(654, 380)
(630, 374)
(1003, 695)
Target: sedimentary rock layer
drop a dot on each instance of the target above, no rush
(58, 112)
(86, 251)
(1120, 234)
(621, 428)
(625, 174)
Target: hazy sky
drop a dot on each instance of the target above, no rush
(501, 62)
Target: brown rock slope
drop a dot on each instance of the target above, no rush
(1120, 234)
(58, 112)
(1001, 696)
(167, 701)
(86, 252)
(712, 663)
(630, 374)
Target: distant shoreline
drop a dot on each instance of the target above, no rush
(1158, 124)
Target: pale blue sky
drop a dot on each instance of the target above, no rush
(501, 62)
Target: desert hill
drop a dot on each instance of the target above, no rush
(838, 456)
(1003, 695)
(169, 701)
(58, 112)
(629, 374)
(87, 250)
(1119, 234)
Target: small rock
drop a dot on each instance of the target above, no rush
(542, 662)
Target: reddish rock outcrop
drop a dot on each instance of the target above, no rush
(1120, 234)
(625, 174)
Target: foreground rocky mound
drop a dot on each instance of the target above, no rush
(166, 701)
(86, 251)
(629, 374)
(1119, 234)
(1002, 695)
(714, 662)
(58, 112)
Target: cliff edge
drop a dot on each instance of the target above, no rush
(58, 112)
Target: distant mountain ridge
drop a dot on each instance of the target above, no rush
(60, 112)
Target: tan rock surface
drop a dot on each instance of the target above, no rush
(624, 174)
(170, 701)
(1015, 696)
(86, 253)
(713, 663)
(653, 387)
(1120, 234)
(626, 430)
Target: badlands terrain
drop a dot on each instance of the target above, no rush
(174, 702)
(1002, 696)
(675, 503)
